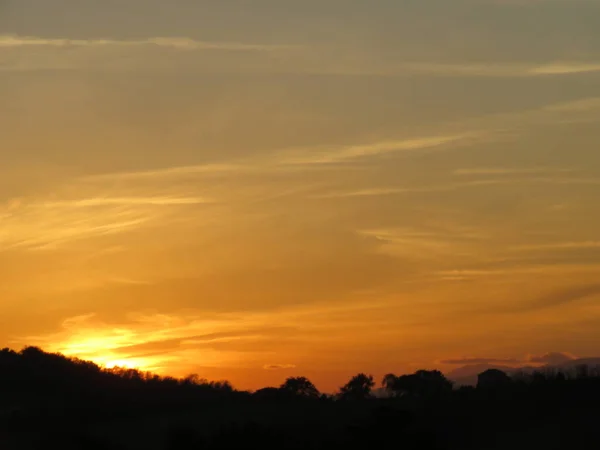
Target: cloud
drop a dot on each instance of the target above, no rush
(533, 269)
(179, 342)
(565, 69)
(46, 224)
(565, 296)
(503, 69)
(124, 201)
(555, 298)
(582, 245)
(279, 366)
(582, 105)
(351, 152)
(469, 361)
(153, 342)
(401, 190)
(552, 358)
(426, 243)
(379, 191)
(176, 43)
(208, 339)
(315, 60)
(509, 171)
(294, 159)
(172, 172)
(48, 235)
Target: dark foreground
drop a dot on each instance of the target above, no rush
(50, 402)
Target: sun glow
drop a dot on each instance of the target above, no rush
(100, 345)
(122, 363)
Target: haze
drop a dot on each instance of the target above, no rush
(250, 190)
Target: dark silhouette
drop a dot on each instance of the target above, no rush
(51, 401)
(492, 379)
(423, 383)
(300, 387)
(358, 388)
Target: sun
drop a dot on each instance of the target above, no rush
(122, 363)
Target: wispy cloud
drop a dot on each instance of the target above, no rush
(504, 70)
(510, 170)
(468, 361)
(279, 366)
(531, 269)
(381, 191)
(581, 245)
(314, 60)
(426, 243)
(347, 153)
(181, 342)
(294, 159)
(562, 296)
(402, 190)
(177, 43)
(48, 224)
(551, 358)
(565, 68)
(173, 172)
(582, 105)
(126, 201)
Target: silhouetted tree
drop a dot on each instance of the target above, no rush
(223, 386)
(358, 388)
(40, 390)
(582, 371)
(492, 379)
(389, 383)
(423, 383)
(300, 387)
(269, 394)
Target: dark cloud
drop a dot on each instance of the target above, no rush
(552, 358)
(468, 361)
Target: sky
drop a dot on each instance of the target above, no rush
(251, 190)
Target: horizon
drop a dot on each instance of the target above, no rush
(314, 188)
(463, 375)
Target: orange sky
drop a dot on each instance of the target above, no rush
(306, 188)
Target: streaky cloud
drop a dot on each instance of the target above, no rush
(340, 154)
(581, 105)
(510, 171)
(551, 358)
(533, 269)
(501, 70)
(279, 366)
(558, 246)
(456, 186)
(564, 296)
(167, 172)
(565, 69)
(467, 361)
(176, 43)
(294, 159)
(126, 201)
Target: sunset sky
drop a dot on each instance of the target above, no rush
(254, 189)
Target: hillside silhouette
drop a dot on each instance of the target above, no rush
(51, 401)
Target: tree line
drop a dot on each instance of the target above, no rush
(37, 372)
(42, 391)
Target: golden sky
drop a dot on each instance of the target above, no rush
(253, 190)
